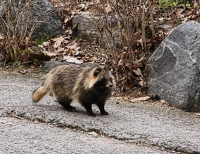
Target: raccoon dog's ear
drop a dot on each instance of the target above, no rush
(97, 71)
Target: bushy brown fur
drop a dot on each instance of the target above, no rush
(89, 85)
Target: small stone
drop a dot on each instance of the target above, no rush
(163, 101)
(93, 134)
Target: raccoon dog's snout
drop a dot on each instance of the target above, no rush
(109, 85)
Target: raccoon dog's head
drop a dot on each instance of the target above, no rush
(101, 78)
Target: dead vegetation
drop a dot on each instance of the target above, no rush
(135, 28)
(17, 32)
(15, 39)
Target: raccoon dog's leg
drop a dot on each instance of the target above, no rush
(66, 104)
(88, 108)
(101, 108)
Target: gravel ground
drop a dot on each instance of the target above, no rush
(142, 122)
(25, 137)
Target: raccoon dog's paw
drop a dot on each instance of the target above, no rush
(91, 114)
(70, 108)
(105, 113)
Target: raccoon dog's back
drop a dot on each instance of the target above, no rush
(89, 85)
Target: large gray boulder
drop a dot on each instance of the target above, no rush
(174, 68)
(49, 22)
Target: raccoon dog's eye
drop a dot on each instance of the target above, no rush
(97, 71)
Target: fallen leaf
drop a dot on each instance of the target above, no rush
(169, 19)
(137, 64)
(58, 41)
(140, 42)
(198, 114)
(140, 99)
(1, 37)
(120, 63)
(23, 71)
(162, 101)
(185, 20)
(72, 45)
(161, 19)
(189, 12)
(129, 65)
(193, 17)
(198, 12)
(140, 60)
(138, 72)
(72, 60)
(86, 59)
(81, 6)
(59, 51)
(116, 98)
(94, 58)
(108, 9)
(123, 56)
(77, 48)
(142, 83)
(50, 54)
(178, 13)
(72, 52)
(79, 53)
(93, 133)
(126, 99)
(45, 44)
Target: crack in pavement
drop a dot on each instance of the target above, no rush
(96, 133)
(22, 136)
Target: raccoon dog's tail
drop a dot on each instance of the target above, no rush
(41, 92)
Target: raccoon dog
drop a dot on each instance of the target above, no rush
(89, 85)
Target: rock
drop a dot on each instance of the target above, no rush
(49, 22)
(165, 27)
(174, 68)
(51, 64)
(85, 27)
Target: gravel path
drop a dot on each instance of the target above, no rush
(142, 122)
